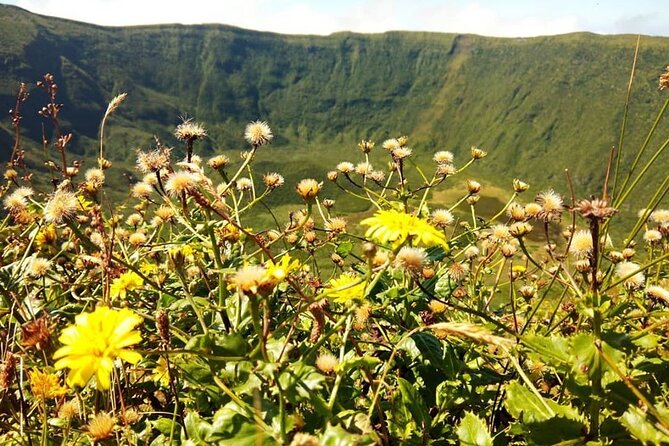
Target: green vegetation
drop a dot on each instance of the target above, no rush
(218, 303)
(538, 105)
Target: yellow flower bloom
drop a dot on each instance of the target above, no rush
(127, 281)
(348, 286)
(277, 272)
(45, 386)
(161, 373)
(396, 227)
(94, 341)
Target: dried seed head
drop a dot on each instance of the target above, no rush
(366, 146)
(411, 259)
(444, 170)
(37, 333)
(336, 225)
(391, 144)
(664, 79)
(189, 130)
(443, 157)
(652, 236)
(516, 212)
(101, 426)
(658, 293)
(308, 188)
(154, 161)
(473, 187)
(581, 243)
(328, 203)
(218, 162)
(364, 168)
(401, 153)
(258, 133)
(345, 167)
(477, 153)
(332, 175)
(327, 362)
(244, 184)
(596, 208)
(520, 186)
(624, 269)
(163, 325)
(273, 180)
(181, 182)
(61, 206)
(551, 205)
(441, 218)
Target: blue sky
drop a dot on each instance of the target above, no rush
(519, 18)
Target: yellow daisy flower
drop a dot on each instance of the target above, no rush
(277, 272)
(94, 341)
(127, 281)
(45, 386)
(396, 227)
(348, 286)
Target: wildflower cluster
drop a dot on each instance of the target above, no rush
(181, 316)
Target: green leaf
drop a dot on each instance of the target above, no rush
(637, 423)
(338, 436)
(413, 401)
(356, 362)
(528, 407)
(299, 381)
(553, 350)
(473, 431)
(198, 430)
(344, 248)
(444, 286)
(231, 426)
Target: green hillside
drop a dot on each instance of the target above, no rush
(538, 105)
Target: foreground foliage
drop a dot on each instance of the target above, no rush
(173, 319)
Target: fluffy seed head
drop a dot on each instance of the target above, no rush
(364, 168)
(17, 200)
(391, 144)
(165, 213)
(38, 267)
(218, 162)
(652, 236)
(401, 153)
(345, 167)
(61, 206)
(581, 243)
(336, 225)
(258, 133)
(180, 182)
(377, 176)
(308, 188)
(532, 209)
(244, 184)
(624, 269)
(411, 259)
(327, 362)
(443, 157)
(441, 218)
(190, 131)
(142, 190)
(95, 176)
(153, 161)
(658, 293)
(551, 205)
(446, 169)
(273, 180)
(101, 426)
(366, 146)
(660, 216)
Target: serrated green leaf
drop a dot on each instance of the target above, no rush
(338, 436)
(444, 286)
(637, 423)
(473, 431)
(299, 381)
(528, 407)
(553, 350)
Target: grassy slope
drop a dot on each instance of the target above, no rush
(537, 105)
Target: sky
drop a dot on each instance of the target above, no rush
(503, 18)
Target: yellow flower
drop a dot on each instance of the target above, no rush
(45, 386)
(396, 227)
(348, 286)
(161, 373)
(94, 341)
(277, 272)
(46, 236)
(127, 281)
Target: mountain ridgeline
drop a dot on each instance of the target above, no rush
(537, 105)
